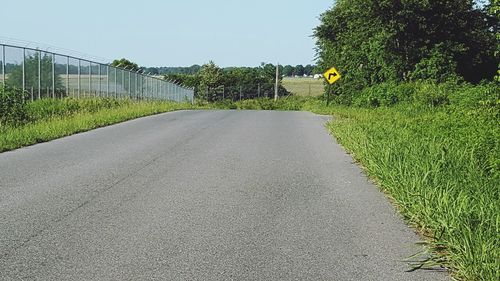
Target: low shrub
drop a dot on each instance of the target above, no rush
(427, 93)
(12, 106)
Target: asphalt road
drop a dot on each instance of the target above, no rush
(198, 195)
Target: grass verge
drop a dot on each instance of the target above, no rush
(441, 166)
(52, 119)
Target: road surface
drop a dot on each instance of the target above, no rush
(198, 195)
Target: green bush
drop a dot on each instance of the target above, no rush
(48, 108)
(429, 93)
(284, 103)
(484, 94)
(48, 119)
(12, 106)
(252, 104)
(439, 66)
(442, 167)
(224, 104)
(385, 94)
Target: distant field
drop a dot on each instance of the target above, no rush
(304, 86)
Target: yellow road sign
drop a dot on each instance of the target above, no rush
(332, 75)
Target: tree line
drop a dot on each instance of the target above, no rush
(375, 41)
(214, 83)
(285, 70)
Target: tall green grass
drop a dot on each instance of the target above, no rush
(48, 119)
(434, 149)
(442, 167)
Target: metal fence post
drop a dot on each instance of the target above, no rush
(129, 85)
(90, 78)
(107, 81)
(3, 64)
(156, 89)
(53, 76)
(116, 91)
(123, 84)
(79, 73)
(136, 94)
(140, 85)
(162, 87)
(100, 82)
(39, 73)
(24, 72)
(67, 76)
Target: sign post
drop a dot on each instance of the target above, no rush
(331, 76)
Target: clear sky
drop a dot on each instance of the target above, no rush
(171, 33)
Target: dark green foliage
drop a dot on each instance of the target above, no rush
(429, 94)
(288, 70)
(375, 41)
(288, 103)
(174, 70)
(211, 76)
(44, 109)
(220, 104)
(12, 106)
(299, 70)
(15, 110)
(441, 165)
(440, 66)
(494, 11)
(125, 63)
(213, 83)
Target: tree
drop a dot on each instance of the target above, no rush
(125, 63)
(299, 70)
(494, 11)
(211, 76)
(288, 70)
(371, 41)
(308, 70)
(152, 70)
(188, 80)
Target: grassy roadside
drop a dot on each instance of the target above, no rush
(439, 164)
(441, 167)
(51, 119)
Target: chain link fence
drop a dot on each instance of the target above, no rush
(45, 74)
(242, 92)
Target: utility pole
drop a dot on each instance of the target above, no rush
(276, 84)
